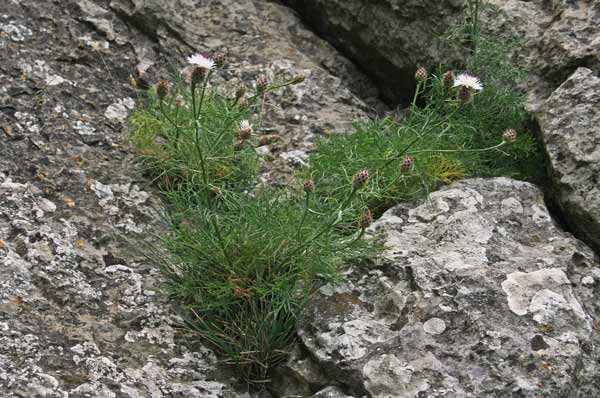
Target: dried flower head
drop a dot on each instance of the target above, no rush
(162, 89)
(469, 81)
(510, 135)
(245, 130)
(421, 74)
(366, 219)
(407, 163)
(309, 185)
(261, 83)
(268, 139)
(448, 79)
(360, 179)
(201, 61)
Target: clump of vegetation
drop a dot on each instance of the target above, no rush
(461, 123)
(246, 258)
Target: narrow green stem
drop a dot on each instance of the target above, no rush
(306, 203)
(461, 150)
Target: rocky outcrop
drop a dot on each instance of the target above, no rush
(553, 39)
(388, 38)
(570, 125)
(478, 294)
(81, 310)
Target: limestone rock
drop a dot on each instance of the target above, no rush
(570, 126)
(81, 310)
(478, 293)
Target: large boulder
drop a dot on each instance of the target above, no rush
(81, 308)
(570, 124)
(478, 294)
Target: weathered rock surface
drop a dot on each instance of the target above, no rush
(388, 38)
(554, 39)
(81, 313)
(478, 294)
(570, 123)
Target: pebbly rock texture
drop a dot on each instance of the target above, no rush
(478, 294)
(81, 311)
(388, 38)
(570, 125)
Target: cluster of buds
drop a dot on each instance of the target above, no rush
(268, 139)
(366, 219)
(262, 83)
(162, 89)
(407, 163)
(308, 186)
(510, 135)
(245, 130)
(421, 74)
(360, 179)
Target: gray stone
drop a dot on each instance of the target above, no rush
(570, 124)
(478, 293)
(81, 310)
(388, 38)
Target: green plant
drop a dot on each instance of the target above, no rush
(457, 133)
(244, 258)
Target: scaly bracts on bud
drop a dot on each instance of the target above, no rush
(421, 74)
(309, 185)
(262, 82)
(407, 163)
(360, 179)
(510, 135)
(366, 219)
(162, 89)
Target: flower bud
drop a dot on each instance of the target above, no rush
(220, 58)
(407, 163)
(243, 102)
(162, 89)
(360, 179)
(366, 219)
(510, 135)
(448, 79)
(421, 74)
(239, 145)
(261, 83)
(309, 185)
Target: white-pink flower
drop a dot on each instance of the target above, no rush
(245, 125)
(468, 80)
(201, 61)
